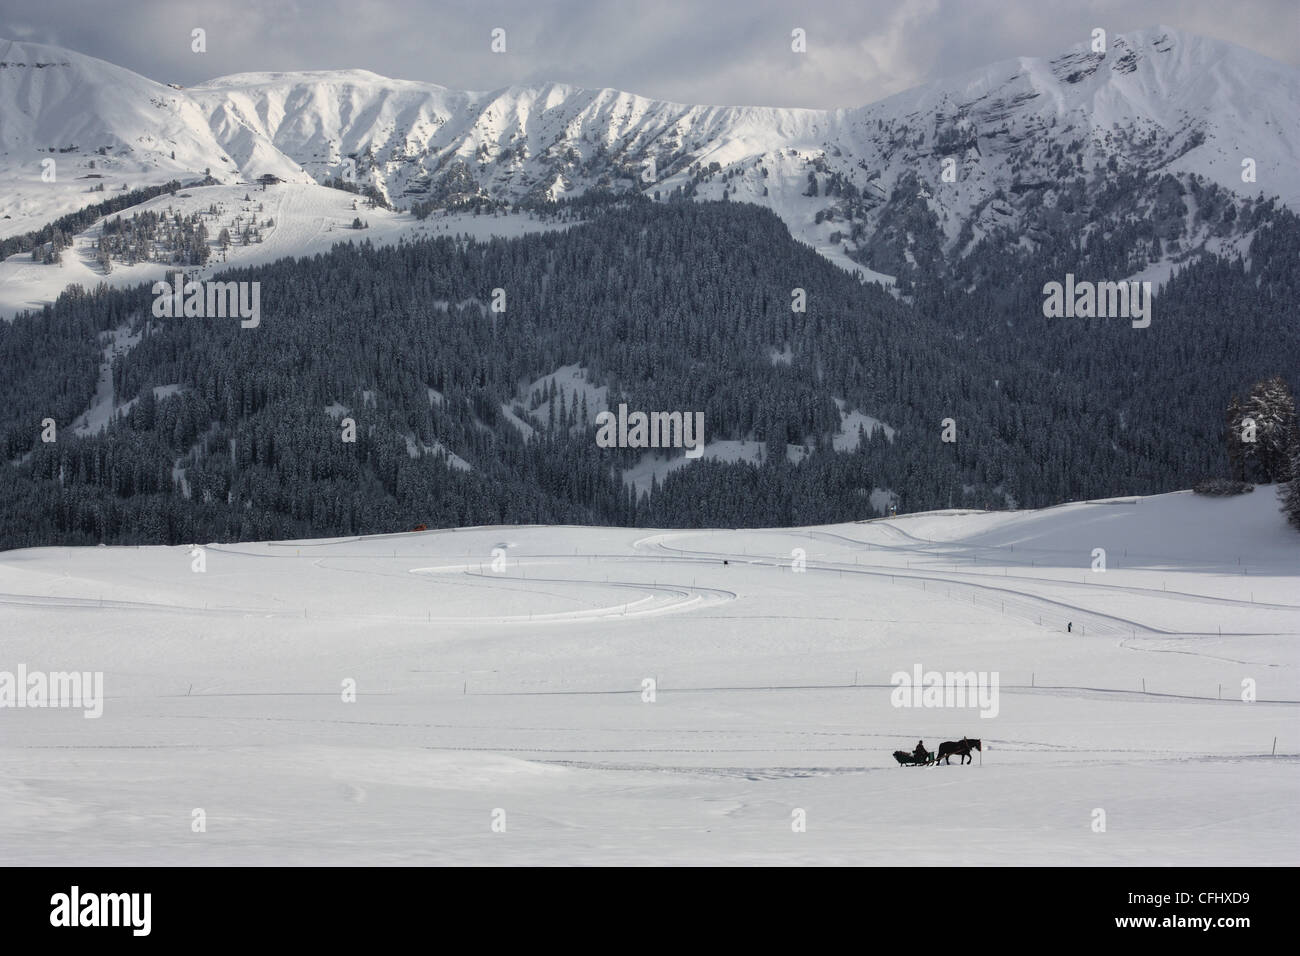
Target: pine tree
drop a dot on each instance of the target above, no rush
(1267, 423)
(1291, 492)
(1232, 438)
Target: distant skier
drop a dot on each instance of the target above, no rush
(1069, 628)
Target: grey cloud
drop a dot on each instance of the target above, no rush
(731, 52)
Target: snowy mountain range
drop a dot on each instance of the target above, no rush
(866, 187)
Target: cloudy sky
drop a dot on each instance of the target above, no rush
(723, 52)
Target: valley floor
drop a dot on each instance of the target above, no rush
(517, 694)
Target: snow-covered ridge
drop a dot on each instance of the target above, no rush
(288, 220)
(1159, 100)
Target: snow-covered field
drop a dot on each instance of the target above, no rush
(520, 689)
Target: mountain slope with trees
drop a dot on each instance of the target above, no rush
(227, 433)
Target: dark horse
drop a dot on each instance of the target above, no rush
(960, 747)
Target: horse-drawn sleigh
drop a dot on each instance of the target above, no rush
(947, 750)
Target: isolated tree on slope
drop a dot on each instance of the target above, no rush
(1267, 448)
(1291, 491)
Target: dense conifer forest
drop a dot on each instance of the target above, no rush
(672, 306)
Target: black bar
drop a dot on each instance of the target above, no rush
(362, 906)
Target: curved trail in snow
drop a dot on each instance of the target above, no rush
(1065, 582)
(1018, 602)
(1013, 600)
(657, 599)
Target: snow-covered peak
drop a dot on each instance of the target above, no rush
(71, 124)
(1157, 101)
(54, 100)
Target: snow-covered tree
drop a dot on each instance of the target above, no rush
(1261, 431)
